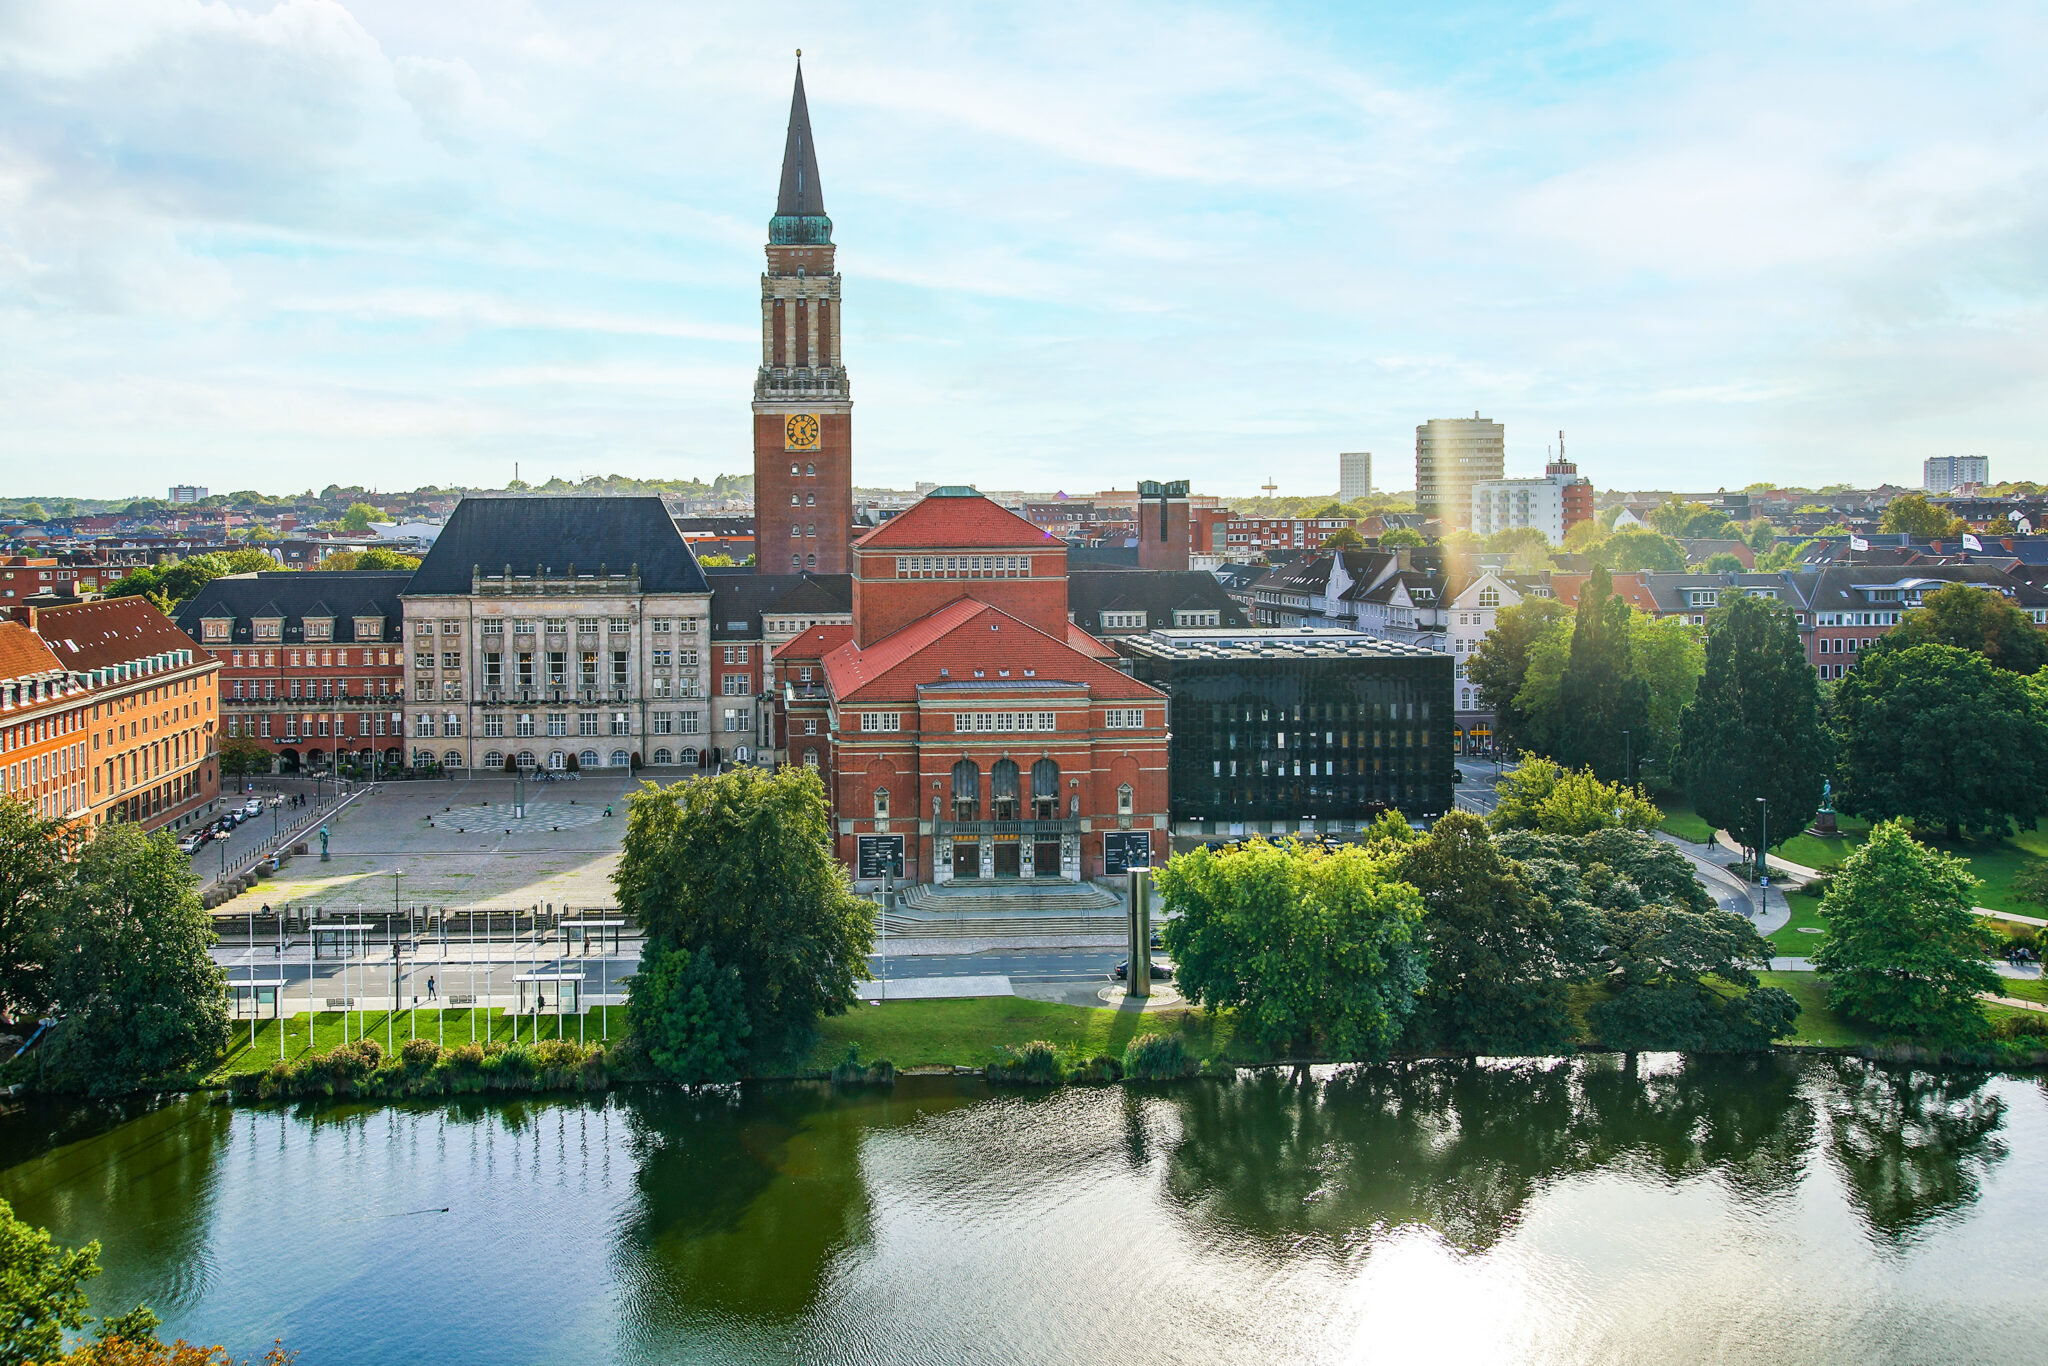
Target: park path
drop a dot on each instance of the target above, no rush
(1804, 874)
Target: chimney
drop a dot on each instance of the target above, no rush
(24, 613)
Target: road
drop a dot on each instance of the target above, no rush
(1475, 785)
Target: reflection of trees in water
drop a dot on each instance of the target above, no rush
(140, 1177)
(1463, 1148)
(1913, 1146)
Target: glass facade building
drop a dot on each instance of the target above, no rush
(1276, 730)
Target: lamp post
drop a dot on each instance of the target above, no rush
(396, 874)
(1763, 852)
(1628, 762)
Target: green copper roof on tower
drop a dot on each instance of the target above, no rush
(800, 204)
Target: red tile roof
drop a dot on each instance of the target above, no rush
(92, 635)
(1630, 588)
(955, 520)
(23, 654)
(959, 638)
(815, 643)
(1088, 645)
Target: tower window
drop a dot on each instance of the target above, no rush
(811, 529)
(792, 467)
(810, 469)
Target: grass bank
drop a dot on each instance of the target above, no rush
(451, 1027)
(970, 1033)
(1993, 861)
(1805, 932)
(1681, 820)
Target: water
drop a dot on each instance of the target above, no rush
(1779, 1210)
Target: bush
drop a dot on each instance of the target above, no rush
(418, 1054)
(852, 1072)
(425, 1069)
(1037, 1063)
(1099, 1070)
(1156, 1057)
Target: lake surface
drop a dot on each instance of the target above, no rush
(1773, 1210)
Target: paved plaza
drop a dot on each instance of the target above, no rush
(458, 843)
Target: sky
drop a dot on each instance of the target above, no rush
(281, 246)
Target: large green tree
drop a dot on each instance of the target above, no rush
(140, 995)
(1754, 730)
(689, 1014)
(241, 755)
(1937, 735)
(1904, 951)
(1970, 617)
(1634, 549)
(176, 581)
(42, 1290)
(1500, 666)
(1599, 696)
(1912, 514)
(33, 885)
(1317, 952)
(739, 867)
(1499, 960)
(1541, 794)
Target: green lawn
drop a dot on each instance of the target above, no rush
(1815, 852)
(1681, 820)
(453, 1027)
(1790, 940)
(1817, 1024)
(2025, 989)
(967, 1033)
(1993, 861)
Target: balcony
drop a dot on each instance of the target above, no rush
(1023, 829)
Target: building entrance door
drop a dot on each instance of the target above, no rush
(966, 858)
(1045, 858)
(1008, 862)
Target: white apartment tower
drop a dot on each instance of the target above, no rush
(1354, 475)
(1947, 473)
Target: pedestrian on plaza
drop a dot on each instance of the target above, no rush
(430, 988)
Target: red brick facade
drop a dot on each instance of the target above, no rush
(803, 498)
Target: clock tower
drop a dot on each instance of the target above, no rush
(803, 411)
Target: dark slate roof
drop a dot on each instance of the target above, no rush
(558, 533)
(1158, 593)
(294, 595)
(740, 596)
(801, 194)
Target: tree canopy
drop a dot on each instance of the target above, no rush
(1317, 951)
(1970, 617)
(1500, 667)
(1543, 795)
(738, 871)
(176, 581)
(1601, 702)
(1904, 950)
(1912, 514)
(1634, 549)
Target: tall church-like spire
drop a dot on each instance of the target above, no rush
(800, 203)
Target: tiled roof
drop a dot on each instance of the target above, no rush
(815, 643)
(1087, 644)
(556, 533)
(739, 597)
(110, 631)
(294, 595)
(23, 653)
(949, 518)
(1158, 593)
(951, 643)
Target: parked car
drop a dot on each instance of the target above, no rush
(1160, 972)
(252, 807)
(191, 843)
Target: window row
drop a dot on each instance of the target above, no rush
(963, 566)
(980, 721)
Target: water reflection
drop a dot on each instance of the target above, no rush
(1913, 1146)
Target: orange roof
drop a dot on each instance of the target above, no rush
(1630, 588)
(955, 641)
(1087, 644)
(92, 635)
(949, 517)
(815, 643)
(23, 654)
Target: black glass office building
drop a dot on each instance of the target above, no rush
(1281, 730)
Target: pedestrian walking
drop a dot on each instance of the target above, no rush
(431, 989)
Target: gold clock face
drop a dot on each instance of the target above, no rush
(800, 431)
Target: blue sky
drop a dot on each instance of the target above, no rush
(1088, 243)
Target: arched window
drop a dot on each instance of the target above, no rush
(690, 758)
(452, 759)
(881, 803)
(588, 758)
(1123, 799)
(525, 759)
(792, 500)
(811, 561)
(621, 759)
(1002, 790)
(966, 791)
(795, 531)
(494, 758)
(810, 469)
(421, 758)
(1045, 790)
(811, 759)
(796, 562)
(663, 758)
(810, 528)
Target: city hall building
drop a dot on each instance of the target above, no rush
(961, 723)
(1319, 730)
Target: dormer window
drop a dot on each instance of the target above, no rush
(319, 628)
(269, 628)
(217, 628)
(372, 628)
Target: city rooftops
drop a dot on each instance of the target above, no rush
(1295, 643)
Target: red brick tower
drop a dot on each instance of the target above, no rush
(803, 411)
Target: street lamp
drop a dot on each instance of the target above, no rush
(1763, 850)
(396, 874)
(1628, 763)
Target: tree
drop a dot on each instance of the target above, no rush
(1602, 705)
(1723, 562)
(1971, 617)
(32, 512)
(715, 560)
(1761, 536)
(1401, 536)
(1707, 524)
(1634, 549)
(1939, 736)
(42, 1290)
(1545, 796)
(360, 515)
(140, 995)
(1316, 951)
(1508, 540)
(32, 888)
(1904, 951)
(375, 557)
(241, 755)
(1754, 730)
(740, 867)
(1344, 539)
(690, 1015)
(1585, 537)
(1500, 666)
(1781, 556)
(1666, 654)
(1498, 965)
(1913, 515)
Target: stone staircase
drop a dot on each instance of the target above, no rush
(1043, 912)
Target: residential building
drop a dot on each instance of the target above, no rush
(1283, 731)
(751, 614)
(45, 729)
(1354, 475)
(803, 409)
(1249, 537)
(312, 663)
(186, 493)
(1113, 603)
(961, 722)
(141, 714)
(1951, 473)
(24, 577)
(550, 628)
(1472, 612)
(1451, 455)
(1554, 504)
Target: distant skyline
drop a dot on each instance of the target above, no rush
(275, 246)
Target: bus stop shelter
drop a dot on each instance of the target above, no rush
(247, 996)
(579, 936)
(548, 993)
(342, 939)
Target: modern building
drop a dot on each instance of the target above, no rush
(187, 493)
(1451, 455)
(803, 409)
(545, 629)
(961, 723)
(1554, 504)
(1354, 475)
(1164, 528)
(1281, 731)
(135, 720)
(312, 663)
(1948, 473)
